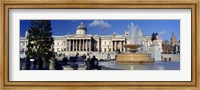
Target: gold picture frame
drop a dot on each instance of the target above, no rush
(4, 64)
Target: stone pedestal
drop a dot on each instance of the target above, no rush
(155, 52)
(133, 58)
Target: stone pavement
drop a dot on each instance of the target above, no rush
(68, 67)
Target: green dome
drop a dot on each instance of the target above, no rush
(81, 29)
(81, 26)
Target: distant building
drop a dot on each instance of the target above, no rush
(173, 40)
(175, 44)
(99, 45)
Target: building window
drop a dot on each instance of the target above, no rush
(63, 43)
(104, 43)
(57, 49)
(57, 43)
(64, 49)
(104, 49)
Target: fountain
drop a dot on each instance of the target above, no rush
(133, 56)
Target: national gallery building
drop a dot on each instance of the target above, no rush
(99, 45)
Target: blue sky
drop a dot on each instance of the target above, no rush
(107, 27)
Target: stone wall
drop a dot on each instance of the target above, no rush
(174, 57)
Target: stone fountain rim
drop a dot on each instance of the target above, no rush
(133, 45)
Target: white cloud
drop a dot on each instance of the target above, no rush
(162, 32)
(100, 24)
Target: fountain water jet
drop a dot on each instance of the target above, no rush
(133, 57)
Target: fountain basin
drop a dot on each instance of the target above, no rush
(133, 58)
(132, 46)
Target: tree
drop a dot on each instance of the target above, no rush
(40, 42)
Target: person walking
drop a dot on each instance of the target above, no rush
(94, 63)
(87, 57)
(88, 65)
(64, 60)
(52, 61)
(87, 62)
(108, 57)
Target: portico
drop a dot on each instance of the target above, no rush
(78, 44)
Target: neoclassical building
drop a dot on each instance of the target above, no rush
(99, 45)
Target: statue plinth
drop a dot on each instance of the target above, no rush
(133, 57)
(155, 52)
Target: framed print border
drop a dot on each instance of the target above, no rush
(99, 5)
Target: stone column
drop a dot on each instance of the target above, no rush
(85, 44)
(123, 46)
(120, 46)
(66, 45)
(69, 45)
(86, 47)
(73, 45)
(76, 44)
(89, 45)
(111, 46)
(79, 45)
(115, 45)
(69, 48)
(97, 46)
(79, 41)
(82, 44)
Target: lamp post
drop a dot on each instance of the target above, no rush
(32, 64)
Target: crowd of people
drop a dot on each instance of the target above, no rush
(92, 63)
(89, 63)
(75, 62)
